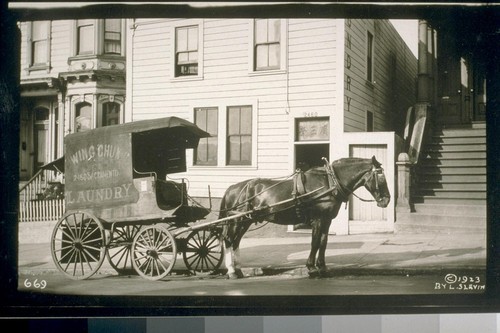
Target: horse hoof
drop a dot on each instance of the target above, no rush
(313, 273)
(239, 274)
(232, 276)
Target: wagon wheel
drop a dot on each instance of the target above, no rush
(154, 252)
(204, 251)
(78, 245)
(120, 249)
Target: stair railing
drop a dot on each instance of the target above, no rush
(34, 206)
(414, 137)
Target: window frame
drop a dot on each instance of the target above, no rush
(173, 49)
(105, 40)
(283, 50)
(195, 151)
(88, 23)
(103, 109)
(30, 61)
(370, 121)
(222, 106)
(240, 135)
(370, 55)
(99, 40)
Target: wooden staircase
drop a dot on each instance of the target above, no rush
(450, 184)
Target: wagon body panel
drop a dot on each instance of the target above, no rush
(99, 171)
(113, 171)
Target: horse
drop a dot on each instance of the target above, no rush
(313, 197)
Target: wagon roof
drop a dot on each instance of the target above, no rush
(140, 126)
(180, 126)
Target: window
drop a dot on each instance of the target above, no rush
(207, 120)
(112, 36)
(239, 135)
(85, 37)
(83, 116)
(39, 43)
(110, 113)
(267, 49)
(369, 57)
(369, 121)
(186, 51)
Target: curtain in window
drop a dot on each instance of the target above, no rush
(186, 51)
(112, 36)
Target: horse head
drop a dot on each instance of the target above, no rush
(376, 184)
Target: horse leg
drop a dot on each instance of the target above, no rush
(232, 257)
(229, 261)
(323, 242)
(315, 244)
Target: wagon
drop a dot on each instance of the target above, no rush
(123, 205)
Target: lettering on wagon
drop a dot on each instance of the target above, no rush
(99, 195)
(101, 150)
(98, 174)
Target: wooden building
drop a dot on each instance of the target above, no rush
(276, 94)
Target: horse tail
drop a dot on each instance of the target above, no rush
(222, 209)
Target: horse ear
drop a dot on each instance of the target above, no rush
(376, 163)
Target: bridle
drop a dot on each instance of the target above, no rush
(335, 182)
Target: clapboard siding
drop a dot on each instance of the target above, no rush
(313, 72)
(60, 44)
(394, 72)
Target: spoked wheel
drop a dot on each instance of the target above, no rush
(204, 251)
(154, 252)
(120, 249)
(78, 245)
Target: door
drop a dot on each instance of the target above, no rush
(41, 138)
(312, 136)
(452, 82)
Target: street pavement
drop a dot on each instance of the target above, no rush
(384, 253)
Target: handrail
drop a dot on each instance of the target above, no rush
(31, 180)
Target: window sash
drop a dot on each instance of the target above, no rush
(186, 51)
(267, 48)
(112, 36)
(83, 117)
(85, 39)
(239, 135)
(110, 113)
(206, 152)
(39, 42)
(369, 57)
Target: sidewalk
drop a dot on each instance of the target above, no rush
(353, 254)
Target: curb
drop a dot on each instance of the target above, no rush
(303, 271)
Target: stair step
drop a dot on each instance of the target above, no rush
(454, 162)
(453, 194)
(455, 154)
(448, 178)
(445, 170)
(461, 132)
(419, 199)
(415, 227)
(439, 147)
(452, 210)
(465, 187)
(439, 223)
(459, 140)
